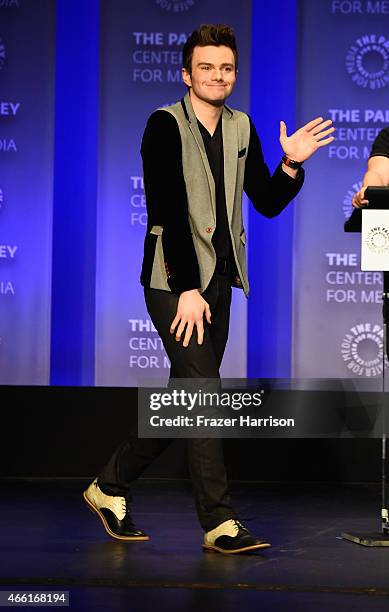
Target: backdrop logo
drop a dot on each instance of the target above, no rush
(1, 198)
(175, 6)
(9, 3)
(377, 240)
(362, 349)
(367, 61)
(347, 200)
(2, 54)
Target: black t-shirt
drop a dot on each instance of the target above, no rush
(381, 144)
(214, 148)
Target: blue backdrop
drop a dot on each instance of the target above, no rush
(272, 30)
(27, 63)
(71, 198)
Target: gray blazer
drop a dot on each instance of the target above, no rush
(200, 189)
(181, 199)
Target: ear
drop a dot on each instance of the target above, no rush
(186, 77)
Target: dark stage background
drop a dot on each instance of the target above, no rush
(69, 432)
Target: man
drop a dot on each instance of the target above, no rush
(377, 174)
(198, 156)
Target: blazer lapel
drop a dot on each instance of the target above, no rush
(194, 128)
(230, 146)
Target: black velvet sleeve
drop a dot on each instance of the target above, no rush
(166, 199)
(381, 144)
(269, 194)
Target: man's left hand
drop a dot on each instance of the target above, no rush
(305, 141)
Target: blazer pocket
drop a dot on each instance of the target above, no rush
(241, 153)
(156, 230)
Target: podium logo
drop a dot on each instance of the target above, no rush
(2, 54)
(377, 240)
(347, 200)
(175, 6)
(362, 349)
(367, 61)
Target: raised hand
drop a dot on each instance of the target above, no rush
(305, 141)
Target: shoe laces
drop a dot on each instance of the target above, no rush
(126, 505)
(238, 525)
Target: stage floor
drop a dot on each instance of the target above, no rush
(50, 540)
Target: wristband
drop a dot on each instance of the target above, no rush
(291, 163)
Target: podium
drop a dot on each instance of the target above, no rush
(373, 223)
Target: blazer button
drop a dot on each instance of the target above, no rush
(209, 230)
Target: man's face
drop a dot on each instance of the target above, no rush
(213, 74)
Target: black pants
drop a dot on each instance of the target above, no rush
(206, 461)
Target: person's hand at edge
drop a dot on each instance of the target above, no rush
(359, 200)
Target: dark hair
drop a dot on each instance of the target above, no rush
(209, 34)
